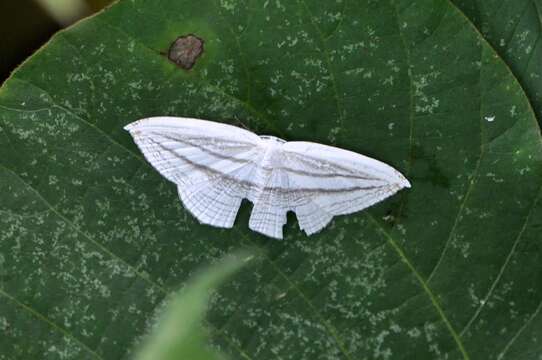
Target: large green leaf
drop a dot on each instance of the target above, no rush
(93, 238)
(513, 28)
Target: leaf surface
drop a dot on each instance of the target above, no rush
(93, 239)
(513, 28)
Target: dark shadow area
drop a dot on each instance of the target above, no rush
(24, 27)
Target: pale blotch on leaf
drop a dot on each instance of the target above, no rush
(185, 50)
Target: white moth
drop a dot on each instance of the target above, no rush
(215, 166)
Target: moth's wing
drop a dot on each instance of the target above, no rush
(186, 151)
(271, 204)
(210, 162)
(330, 181)
(216, 201)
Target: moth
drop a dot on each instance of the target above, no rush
(215, 166)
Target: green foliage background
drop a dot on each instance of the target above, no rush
(179, 334)
(92, 239)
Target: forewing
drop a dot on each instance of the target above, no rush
(189, 151)
(331, 181)
(211, 163)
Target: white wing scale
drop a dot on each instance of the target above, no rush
(216, 165)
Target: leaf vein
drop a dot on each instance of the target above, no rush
(424, 284)
(330, 328)
(504, 265)
(49, 322)
(518, 333)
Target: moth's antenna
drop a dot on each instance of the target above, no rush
(240, 123)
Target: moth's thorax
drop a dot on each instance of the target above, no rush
(272, 149)
(271, 155)
(270, 158)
